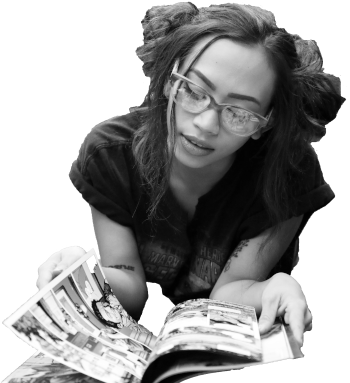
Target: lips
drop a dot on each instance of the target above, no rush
(195, 146)
(194, 140)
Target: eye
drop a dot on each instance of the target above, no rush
(236, 117)
(194, 92)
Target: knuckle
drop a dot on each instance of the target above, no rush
(301, 305)
(269, 300)
(41, 268)
(284, 277)
(60, 267)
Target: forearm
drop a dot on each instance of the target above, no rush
(246, 292)
(129, 288)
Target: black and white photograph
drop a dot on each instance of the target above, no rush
(195, 209)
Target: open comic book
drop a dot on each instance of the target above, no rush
(83, 334)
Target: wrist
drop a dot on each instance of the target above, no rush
(246, 292)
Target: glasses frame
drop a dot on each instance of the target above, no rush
(176, 79)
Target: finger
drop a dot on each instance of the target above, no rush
(56, 263)
(308, 327)
(308, 317)
(268, 316)
(295, 319)
(44, 278)
(51, 262)
(45, 271)
(308, 321)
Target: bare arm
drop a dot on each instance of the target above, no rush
(244, 276)
(121, 263)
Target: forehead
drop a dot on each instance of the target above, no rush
(235, 67)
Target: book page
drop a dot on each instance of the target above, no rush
(211, 326)
(175, 367)
(77, 320)
(40, 368)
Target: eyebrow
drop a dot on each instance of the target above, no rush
(213, 87)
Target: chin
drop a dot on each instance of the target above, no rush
(193, 162)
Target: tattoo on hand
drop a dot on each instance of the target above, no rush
(239, 248)
(125, 267)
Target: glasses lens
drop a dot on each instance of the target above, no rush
(239, 121)
(191, 98)
(194, 99)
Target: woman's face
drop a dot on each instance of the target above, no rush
(231, 73)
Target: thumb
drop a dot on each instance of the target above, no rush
(268, 316)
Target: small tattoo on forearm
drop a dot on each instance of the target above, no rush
(238, 249)
(125, 267)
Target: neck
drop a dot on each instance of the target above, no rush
(199, 180)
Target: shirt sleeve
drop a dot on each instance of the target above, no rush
(102, 175)
(312, 194)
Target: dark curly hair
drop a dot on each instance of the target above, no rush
(305, 98)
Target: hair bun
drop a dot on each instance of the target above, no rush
(161, 20)
(309, 53)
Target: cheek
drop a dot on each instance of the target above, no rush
(182, 118)
(225, 143)
(230, 144)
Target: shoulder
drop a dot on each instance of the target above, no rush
(311, 191)
(105, 172)
(112, 133)
(109, 141)
(106, 153)
(308, 174)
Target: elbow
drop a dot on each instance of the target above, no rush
(142, 305)
(215, 294)
(135, 310)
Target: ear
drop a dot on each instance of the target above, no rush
(269, 126)
(167, 88)
(261, 131)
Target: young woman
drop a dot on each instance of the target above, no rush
(207, 186)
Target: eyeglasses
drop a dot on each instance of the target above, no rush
(194, 99)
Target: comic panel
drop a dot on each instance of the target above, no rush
(86, 285)
(76, 308)
(193, 305)
(112, 314)
(40, 368)
(70, 323)
(211, 326)
(236, 319)
(131, 362)
(103, 316)
(33, 332)
(75, 323)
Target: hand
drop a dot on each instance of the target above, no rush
(56, 263)
(283, 297)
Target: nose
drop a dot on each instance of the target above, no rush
(207, 121)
